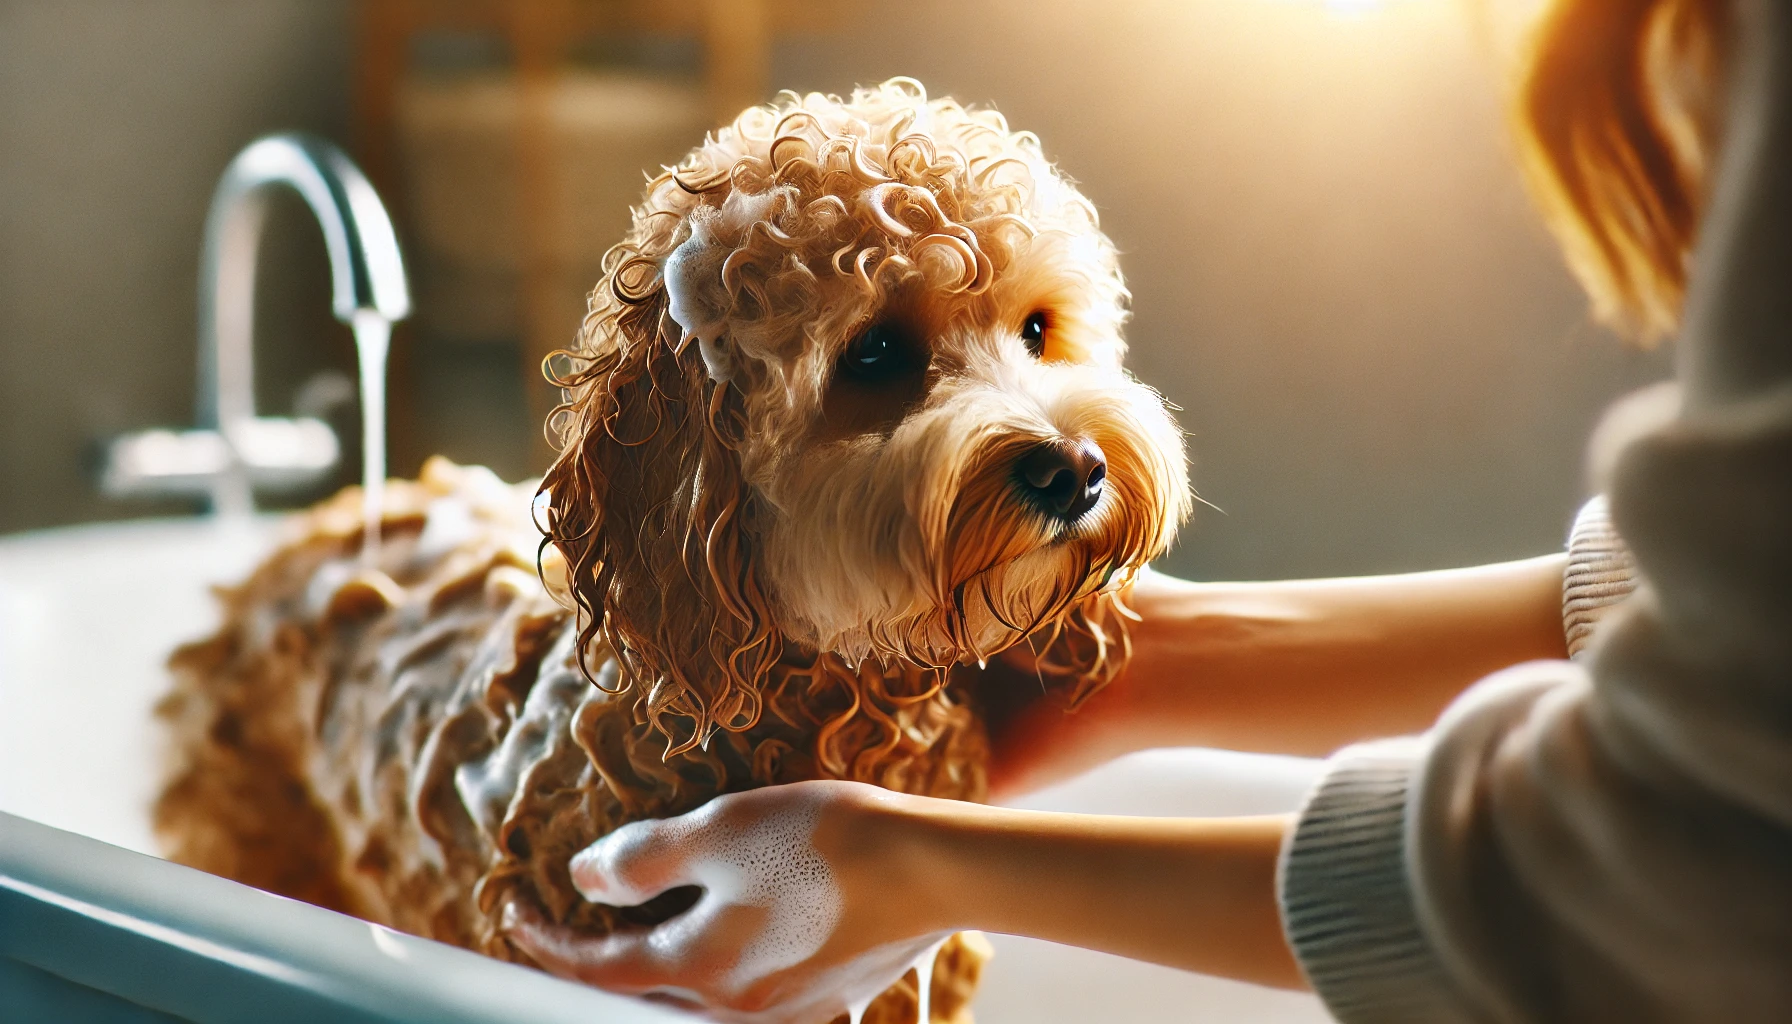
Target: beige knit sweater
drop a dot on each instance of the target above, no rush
(1610, 838)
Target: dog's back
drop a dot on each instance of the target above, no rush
(318, 731)
(412, 742)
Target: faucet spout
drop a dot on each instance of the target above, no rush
(367, 278)
(234, 450)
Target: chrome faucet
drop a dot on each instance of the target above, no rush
(234, 450)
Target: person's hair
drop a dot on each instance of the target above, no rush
(1615, 113)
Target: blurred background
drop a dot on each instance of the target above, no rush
(1381, 362)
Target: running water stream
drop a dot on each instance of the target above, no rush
(923, 968)
(924, 982)
(373, 339)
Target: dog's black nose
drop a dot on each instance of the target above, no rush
(1064, 477)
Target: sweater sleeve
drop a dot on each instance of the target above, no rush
(1605, 840)
(1345, 895)
(1611, 840)
(1601, 841)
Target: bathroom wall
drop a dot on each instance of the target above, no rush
(115, 121)
(1336, 275)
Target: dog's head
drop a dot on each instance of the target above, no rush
(853, 382)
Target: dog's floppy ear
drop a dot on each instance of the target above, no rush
(647, 504)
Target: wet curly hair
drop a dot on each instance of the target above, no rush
(810, 211)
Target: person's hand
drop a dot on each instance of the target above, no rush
(812, 898)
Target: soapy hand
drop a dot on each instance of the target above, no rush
(789, 926)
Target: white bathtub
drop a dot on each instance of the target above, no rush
(87, 615)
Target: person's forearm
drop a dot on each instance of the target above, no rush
(1197, 894)
(1294, 667)
(1307, 666)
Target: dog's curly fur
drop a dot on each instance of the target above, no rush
(761, 566)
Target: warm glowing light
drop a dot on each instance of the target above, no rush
(1349, 8)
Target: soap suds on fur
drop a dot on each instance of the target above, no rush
(695, 299)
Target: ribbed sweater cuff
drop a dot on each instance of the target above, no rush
(1346, 901)
(1600, 574)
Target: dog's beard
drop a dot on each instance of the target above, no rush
(921, 546)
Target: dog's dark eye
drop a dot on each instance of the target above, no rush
(879, 352)
(880, 376)
(1032, 332)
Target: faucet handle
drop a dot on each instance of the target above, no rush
(274, 453)
(285, 454)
